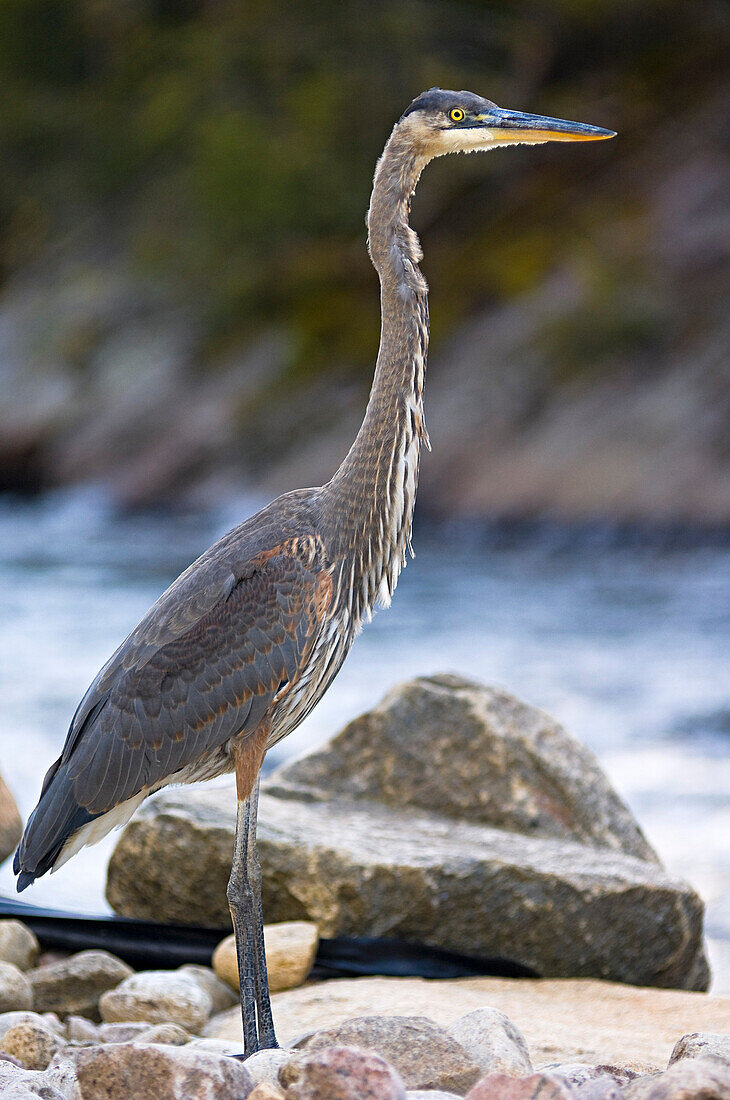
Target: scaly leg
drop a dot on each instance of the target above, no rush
(266, 1034)
(241, 903)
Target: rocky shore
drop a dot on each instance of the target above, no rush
(87, 1027)
(451, 814)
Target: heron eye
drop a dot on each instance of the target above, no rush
(456, 114)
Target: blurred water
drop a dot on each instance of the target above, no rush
(625, 641)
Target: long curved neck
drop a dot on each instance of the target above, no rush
(373, 493)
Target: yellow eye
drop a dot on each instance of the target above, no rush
(456, 114)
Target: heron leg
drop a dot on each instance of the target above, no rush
(266, 1033)
(243, 913)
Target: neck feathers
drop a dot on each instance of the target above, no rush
(374, 491)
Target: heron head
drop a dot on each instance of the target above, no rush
(441, 122)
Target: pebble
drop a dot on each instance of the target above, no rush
(424, 1054)
(538, 1086)
(151, 1072)
(689, 1079)
(49, 1019)
(221, 995)
(291, 947)
(702, 1044)
(493, 1041)
(341, 1073)
(73, 985)
(170, 1034)
(580, 1073)
(159, 997)
(18, 945)
(266, 1091)
(16, 993)
(265, 1065)
(32, 1044)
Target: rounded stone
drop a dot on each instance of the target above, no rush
(73, 986)
(16, 992)
(493, 1041)
(158, 997)
(341, 1073)
(424, 1054)
(18, 944)
(702, 1044)
(500, 1086)
(151, 1072)
(291, 948)
(221, 994)
(32, 1044)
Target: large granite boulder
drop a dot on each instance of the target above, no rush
(459, 749)
(399, 834)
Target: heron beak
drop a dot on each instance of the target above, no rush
(514, 126)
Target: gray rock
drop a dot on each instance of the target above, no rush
(48, 1019)
(31, 1044)
(81, 1030)
(17, 1083)
(430, 1094)
(580, 1073)
(167, 1034)
(158, 997)
(221, 995)
(122, 1033)
(493, 1041)
(11, 824)
(690, 1079)
(18, 945)
(341, 1073)
(702, 1044)
(538, 1086)
(16, 993)
(61, 1075)
(265, 1065)
(565, 909)
(600, 1088)
(355, 866)
(150, 1072)
(218, 1046)
(73, 985)
(491, 759)
(424, 1054)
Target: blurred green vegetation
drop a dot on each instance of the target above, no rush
(226, 148)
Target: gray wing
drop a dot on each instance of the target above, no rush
(195, 673)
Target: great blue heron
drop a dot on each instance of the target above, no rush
(241, 647)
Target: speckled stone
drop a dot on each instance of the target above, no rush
(151, 1072)
(73, 986)
(341, 1073)
(18, 945)
(424, 1054)
(16, 992)
(159, 997)
(32, 1044)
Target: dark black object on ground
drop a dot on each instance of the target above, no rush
(145, 945)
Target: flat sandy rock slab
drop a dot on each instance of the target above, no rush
(140, 1072)
(424, 1054)
(562, 1021)
(359, 868)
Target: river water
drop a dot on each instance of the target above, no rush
(623, 637)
